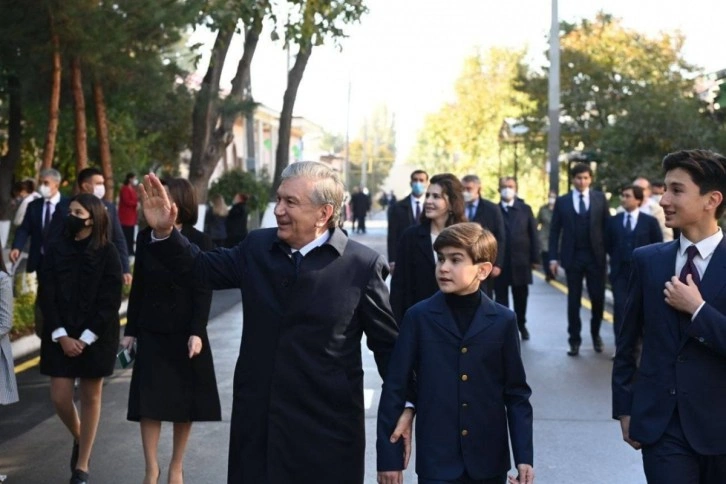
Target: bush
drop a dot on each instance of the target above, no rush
(238, 181)
(23, 315)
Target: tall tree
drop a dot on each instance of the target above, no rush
(79, 114)
(14, 139)
(311, 23)
(214, 118)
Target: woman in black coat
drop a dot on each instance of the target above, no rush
(80, 298)
(173, 377)
(414, 278)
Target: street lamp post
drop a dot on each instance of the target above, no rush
(553, 140)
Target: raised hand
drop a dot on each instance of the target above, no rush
(159, 211)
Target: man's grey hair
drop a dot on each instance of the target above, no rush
(51, 173)
(328, 188)
(471, 179)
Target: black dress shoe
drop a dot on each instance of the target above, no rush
(597, 344)
(79, 477)
(524, 333)
(74, 455)
(574, 349)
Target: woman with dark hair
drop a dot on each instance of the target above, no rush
(414, 278)
(80, 297)
(173, 377)
(128, 203)
(8, 385)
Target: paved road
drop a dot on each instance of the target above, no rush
(576, 441)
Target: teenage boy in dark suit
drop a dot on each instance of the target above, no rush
(471, 390)
(671, 402)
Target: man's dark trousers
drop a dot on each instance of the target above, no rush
(619, 287)
(584, 266)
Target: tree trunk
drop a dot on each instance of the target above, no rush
(12, 156)
(282, 155)
(250, 158)
(205, 115)
(104, 146)
(79, 111)
(53, 106)
(219, 127)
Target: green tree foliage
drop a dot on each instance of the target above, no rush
(237, 181)
(463, 136)
(625, 96)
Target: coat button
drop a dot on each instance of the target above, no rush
(464, 377)
(681, 359)
(701, 339)
(464, 405)
(464, 433)
(464, 349)
(672, 391)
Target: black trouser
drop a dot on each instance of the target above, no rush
(519, 295)
(128, 231)
(465, 479)
(546, 265)
(672, 460)
(619, 286)
(361, 223)
(584, 266)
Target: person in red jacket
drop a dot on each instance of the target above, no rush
(127, 205)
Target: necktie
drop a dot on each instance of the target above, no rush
(628, 223)
(46, 217)
(297, 258)
(690, 267)
(582, 204)
(418, 210)
(471, 211)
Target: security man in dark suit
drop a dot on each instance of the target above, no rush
(43, 224)
(309, 293)
(577, 243)
(521, 252)
(671, 400)
(626, 232)
(406, 212)
(488, 215)
(90, 180)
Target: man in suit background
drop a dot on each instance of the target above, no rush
(650, 206)
(577, 243)
(90, 180)
(670, 402)
(309, 293)
(43, 224)
(488, 215)
(406, 212)
(521, 252)
(360, 203)
(625, 232)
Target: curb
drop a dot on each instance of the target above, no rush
(30, 345)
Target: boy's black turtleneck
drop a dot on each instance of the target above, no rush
(463, 308)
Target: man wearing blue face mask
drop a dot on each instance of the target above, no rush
(406, 212)
(521, 252)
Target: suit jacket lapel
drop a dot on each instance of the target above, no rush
(423, 241)
(713, 281)
(594, 208)
(442, 315)
(664, 270)
(480, 323)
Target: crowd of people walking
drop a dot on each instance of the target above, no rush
(445, 341)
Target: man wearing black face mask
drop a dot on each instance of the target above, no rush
(406, 212)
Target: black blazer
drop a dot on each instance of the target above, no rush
(415, 276)
(490, 217)
(646, 231)
(522, 248)
(32, 227)
(496, 391)
(298, 383)
(116, 236)
(562, 230)
(158, 302)
(400, 217)
(682, 366)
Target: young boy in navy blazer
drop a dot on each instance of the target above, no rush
(671, 402)
(470, 385)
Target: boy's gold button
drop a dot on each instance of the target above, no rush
(464, 432)
(464, 349)
(464, 377)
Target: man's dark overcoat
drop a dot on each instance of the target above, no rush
(297, 412)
